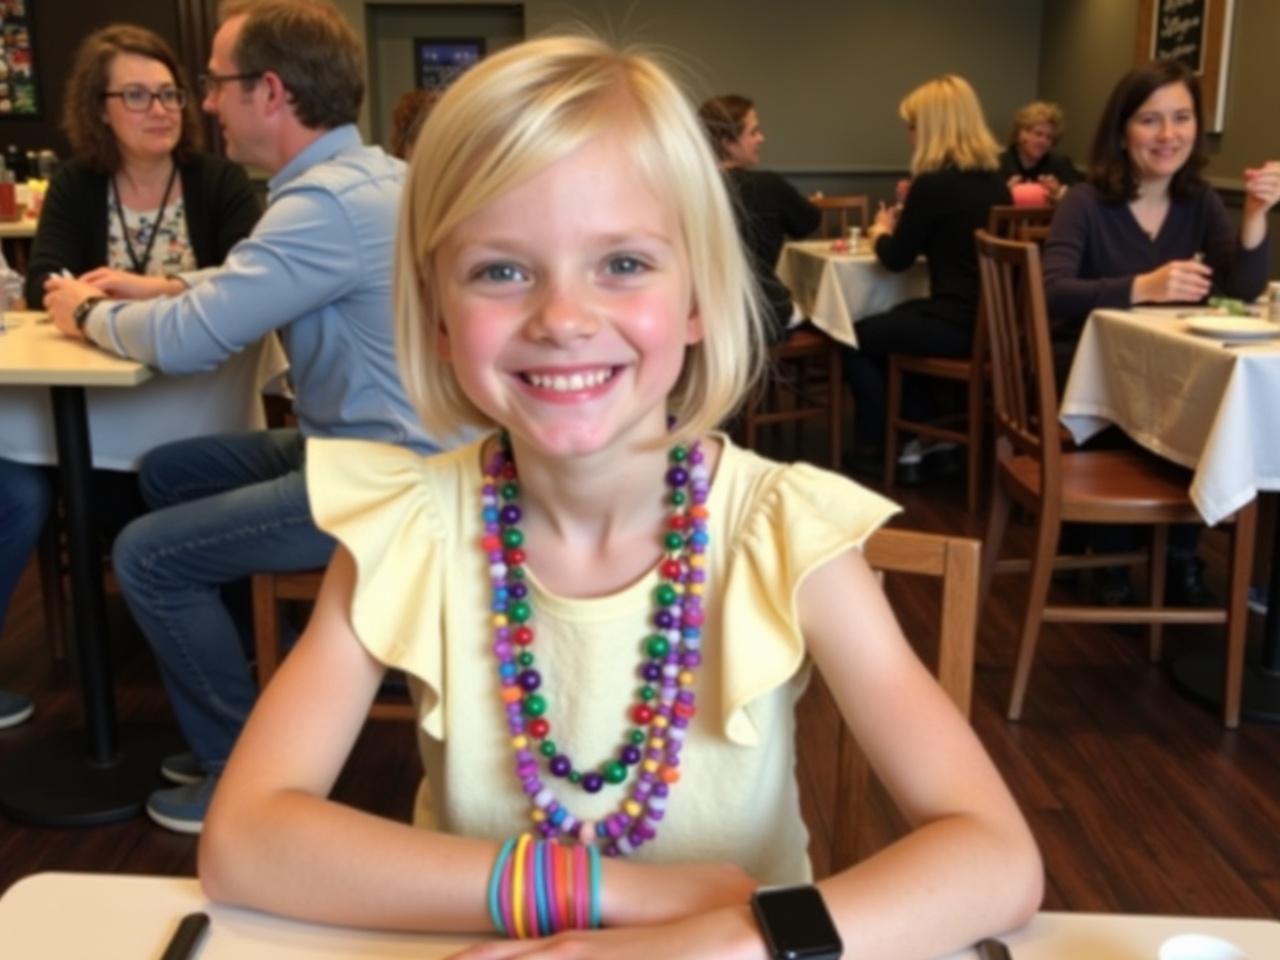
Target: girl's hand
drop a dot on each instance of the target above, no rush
(886, 221)
(1262, 187)
(122, 285)
(722, 935)
(638, 894)
(1178, 281)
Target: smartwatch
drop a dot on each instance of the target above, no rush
(795, 924)
(80, 315)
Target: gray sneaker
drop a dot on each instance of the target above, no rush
(14, 709)
(182, 768)
(182, 809)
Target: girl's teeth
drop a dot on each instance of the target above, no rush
(565, 383)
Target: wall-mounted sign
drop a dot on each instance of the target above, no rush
(438, 62)
(1197, 33)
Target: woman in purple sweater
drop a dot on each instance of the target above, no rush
(1146, 228)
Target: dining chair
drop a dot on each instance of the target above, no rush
(971, 372)
(954, 563)
(1056, 485)
(836, 212)
(272, 589)
(802, 381)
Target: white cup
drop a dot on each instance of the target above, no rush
(855, 236)
(1198, 946)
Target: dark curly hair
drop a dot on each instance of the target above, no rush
(1110, 169)
(92, 140)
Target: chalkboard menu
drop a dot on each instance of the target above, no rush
(1180, 32)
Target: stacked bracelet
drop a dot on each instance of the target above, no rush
(541, 887)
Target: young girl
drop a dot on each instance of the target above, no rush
(607, 611)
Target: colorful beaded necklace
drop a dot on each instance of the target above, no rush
(665, 702)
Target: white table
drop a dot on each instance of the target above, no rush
(1206, 405)
(56, 916)
(125, 424)
(836, 290)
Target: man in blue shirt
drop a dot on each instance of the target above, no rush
(285, 83)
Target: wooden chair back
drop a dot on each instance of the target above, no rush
(954, 562)
(836, 213)
(1005, 220)
(1023, 396)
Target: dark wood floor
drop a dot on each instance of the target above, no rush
(1140, 800)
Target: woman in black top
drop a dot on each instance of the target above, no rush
(1029, 157)
(955, 182)
(769, 210)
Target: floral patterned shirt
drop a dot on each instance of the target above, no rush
(171, 253)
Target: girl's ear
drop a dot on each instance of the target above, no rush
(693, 329)
(442, 341)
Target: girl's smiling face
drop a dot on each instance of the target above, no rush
(1161, 134)
(566, 304)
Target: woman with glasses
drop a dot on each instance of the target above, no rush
(136, 202)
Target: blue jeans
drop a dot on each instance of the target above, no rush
(225, 507)
(26, 497)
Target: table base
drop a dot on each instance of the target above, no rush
(55, 783)
(1198, 674)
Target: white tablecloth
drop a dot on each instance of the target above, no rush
(125, 424)
(836, 290)
(1189, 398)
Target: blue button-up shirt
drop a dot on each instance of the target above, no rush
(316, 269)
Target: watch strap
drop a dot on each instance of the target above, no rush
(81, 313)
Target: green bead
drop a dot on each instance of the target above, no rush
(547, 748)
(511, 537)
(637, 736)
(535, 705)
(516, 573)
(509, 491)
(657, 647)
(525, 658)
(520, 611)
(665, 595)
(613, 772)
(678, 498)
(575, 776)
(673, 540)
(647, 693)
(679, 454)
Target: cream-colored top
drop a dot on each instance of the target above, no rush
(422, 604)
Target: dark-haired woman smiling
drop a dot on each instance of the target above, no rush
(1146, 228)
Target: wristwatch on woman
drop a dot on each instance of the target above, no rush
(81, 313)
(795, 924)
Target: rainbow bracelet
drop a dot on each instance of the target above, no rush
(495, 888)
(517, 888)
(540, 888)
(595, 887)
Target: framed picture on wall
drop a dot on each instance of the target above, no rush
(438, 62)
(1198, 33)
(18, 95)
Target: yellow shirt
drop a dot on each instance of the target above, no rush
(422, 605)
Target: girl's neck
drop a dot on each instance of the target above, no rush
(142, 180)
(1153, 191)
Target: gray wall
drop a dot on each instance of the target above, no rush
(826, 75)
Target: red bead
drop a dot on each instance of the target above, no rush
(669, 569)
(523, 635)
(678, 522)
(509, 471)
(491, 542)
(515, 556)
(539, 728)
(685, 710)
(641, 714)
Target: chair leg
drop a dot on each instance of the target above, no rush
(1037, 594)
(997, 523)
(893, 401)
(1242, 543)
(975, 415)
(266, 627)
(1155, 588)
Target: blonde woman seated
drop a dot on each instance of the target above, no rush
(1029, 157)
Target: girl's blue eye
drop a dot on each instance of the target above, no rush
(500, 273)
(626, 265)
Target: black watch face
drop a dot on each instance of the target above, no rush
(796, 923)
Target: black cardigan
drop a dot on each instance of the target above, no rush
(221, 209)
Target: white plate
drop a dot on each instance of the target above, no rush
(1233, 328)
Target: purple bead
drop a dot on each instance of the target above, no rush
(691, 659)
(547, 830)
(677, 477)
(685, 696)
(529, 680)
(651, 671)
(592, 782)
(614, 825)
(612, 850)
(510, 514)
(630, 755)
(664, 620)
(661, 789)
(696, 575)
(560, 765)
(636, 837)
(502, 650)
(518, 590)
(696, 456)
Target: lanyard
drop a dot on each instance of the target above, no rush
(140, 266)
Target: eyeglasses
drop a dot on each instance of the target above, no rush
(138, 99)
(211, 83)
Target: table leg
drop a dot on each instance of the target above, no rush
(106, 773)
(1198, 673)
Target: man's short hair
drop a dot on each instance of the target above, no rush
(311, 47)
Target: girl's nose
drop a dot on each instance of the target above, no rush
(562, 315)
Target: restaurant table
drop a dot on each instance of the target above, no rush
(54, 916)
(1138, 369)
(836, 289)
(18, 234)
(103, 773)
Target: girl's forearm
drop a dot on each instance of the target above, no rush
(946, 885)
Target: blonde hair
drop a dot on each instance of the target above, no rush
(511, 116)
(950, 128)
(1035, 113)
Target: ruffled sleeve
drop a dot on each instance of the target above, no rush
(375, 499)
(799, 517)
